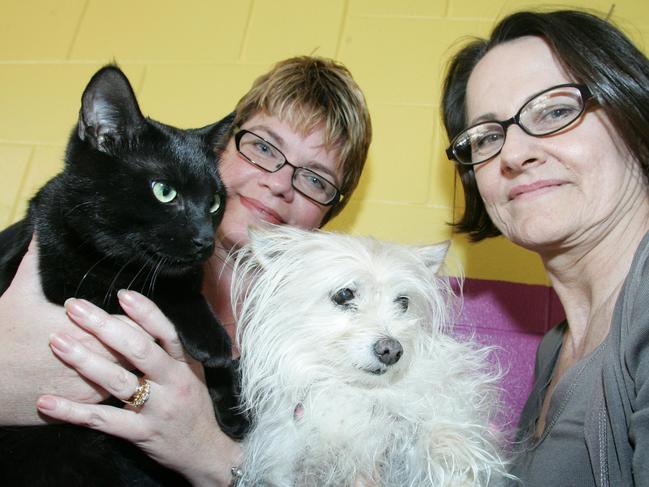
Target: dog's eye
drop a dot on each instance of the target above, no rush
(403, 302)
(343, 297)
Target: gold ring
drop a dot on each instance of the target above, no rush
(140, 395)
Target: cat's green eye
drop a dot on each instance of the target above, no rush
(216, 204)
(163, 192)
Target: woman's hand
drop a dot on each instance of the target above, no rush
(176, 425)
(28, 368)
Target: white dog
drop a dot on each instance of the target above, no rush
(347, 372)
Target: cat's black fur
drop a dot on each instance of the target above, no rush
(100, 228)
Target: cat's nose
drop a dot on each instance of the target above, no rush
(203, 243)
(388, 350)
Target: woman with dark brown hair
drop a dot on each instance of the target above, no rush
(549, 127)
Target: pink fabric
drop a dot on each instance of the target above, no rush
(513, 317)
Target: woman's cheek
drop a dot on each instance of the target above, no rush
(486, 185)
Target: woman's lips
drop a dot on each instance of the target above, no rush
(261, 210)
(523, 190)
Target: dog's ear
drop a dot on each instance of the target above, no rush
(434, 255)
(268, 242)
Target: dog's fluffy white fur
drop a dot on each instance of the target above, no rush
(348, 372)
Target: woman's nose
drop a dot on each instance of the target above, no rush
(520, 150)
(280, 182)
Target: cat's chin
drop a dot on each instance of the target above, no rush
(182, 266)
(167, 259)
(173, 264)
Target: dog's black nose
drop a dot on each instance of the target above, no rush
(388, 350)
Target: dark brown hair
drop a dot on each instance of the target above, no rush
(593, 51)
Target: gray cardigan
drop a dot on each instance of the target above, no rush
(617, 421)
(618, 432)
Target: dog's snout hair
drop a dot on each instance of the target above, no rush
(388, 350)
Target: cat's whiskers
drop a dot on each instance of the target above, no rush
(149, 275)
(137, 275)
(224, 256)
(156, 273)
(111, 287)
(76, 292)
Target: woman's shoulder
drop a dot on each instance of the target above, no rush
(630, 324)
(640, 264)
(548, 351)
(551, 342)
(633, 303)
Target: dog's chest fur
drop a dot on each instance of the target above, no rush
(345, 432)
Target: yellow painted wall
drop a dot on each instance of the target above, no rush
(190, 61)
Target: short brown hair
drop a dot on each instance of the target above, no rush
(593, 51)
(310, 92)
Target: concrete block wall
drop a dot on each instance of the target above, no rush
(191, 60)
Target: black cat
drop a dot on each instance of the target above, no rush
(136, 206)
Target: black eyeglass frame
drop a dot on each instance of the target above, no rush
(585, 93)
(238, 135)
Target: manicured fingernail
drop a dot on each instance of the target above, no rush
(61, 342)
(126, 297)
(46, 403)
(76, 307)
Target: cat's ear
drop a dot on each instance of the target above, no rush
(109, 110)
(434, 255)
(217, 134)
(222, 128)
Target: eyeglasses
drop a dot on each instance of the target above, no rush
(545, 113)
(266, 156)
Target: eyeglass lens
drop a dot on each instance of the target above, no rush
(544, 114)
(268, 157)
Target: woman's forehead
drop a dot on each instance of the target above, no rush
(509, 74)
(305, 148)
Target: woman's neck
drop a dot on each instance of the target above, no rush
(588, 278)
(216, 289)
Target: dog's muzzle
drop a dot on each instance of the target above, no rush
(388, 351)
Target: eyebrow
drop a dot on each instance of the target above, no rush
(279, 142)
(276, 138)
(487, 117)
(491, 117)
